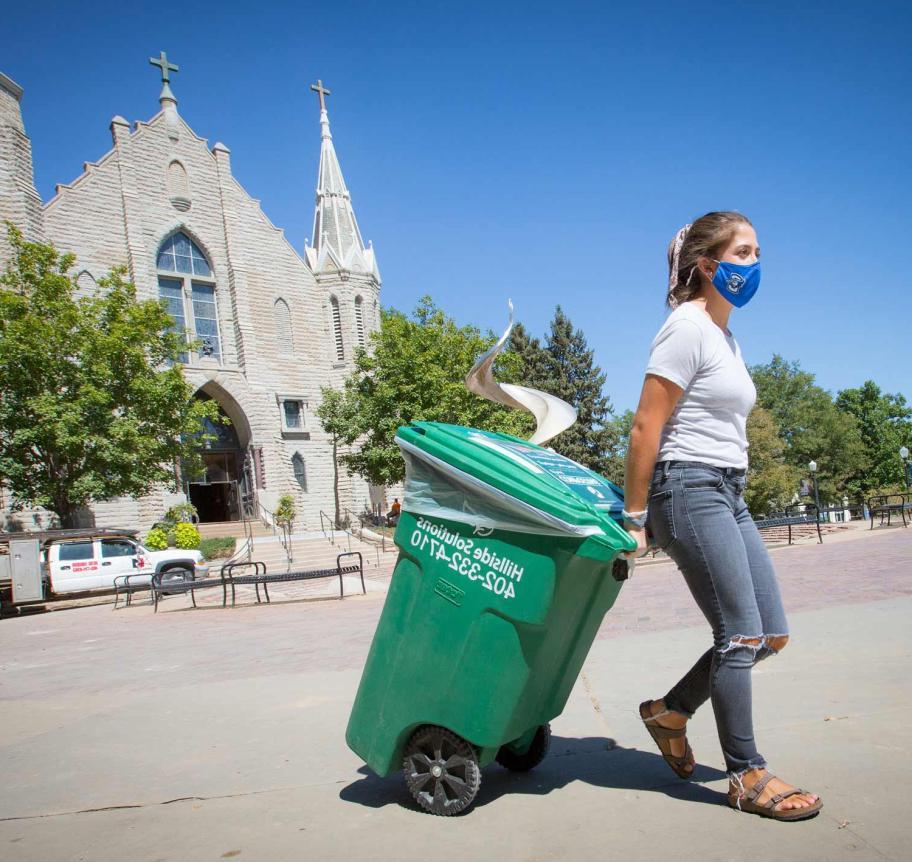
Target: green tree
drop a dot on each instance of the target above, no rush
(618, 457)
(810, 425)
(338, 415)
(87, 410)
(565, 367)
(885, 424)
(415, 371)
(536, 371)
(771, 483)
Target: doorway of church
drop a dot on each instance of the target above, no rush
(217, 498)
(217, 490)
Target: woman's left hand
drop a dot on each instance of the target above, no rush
(638, 533)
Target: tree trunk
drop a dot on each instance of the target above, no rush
(336, 485)
(68, 515)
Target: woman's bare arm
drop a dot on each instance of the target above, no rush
(657, 401)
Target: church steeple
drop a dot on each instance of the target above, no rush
(337, 241)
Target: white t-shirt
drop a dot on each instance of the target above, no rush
(709, 423)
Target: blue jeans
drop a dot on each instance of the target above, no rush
(698, 516)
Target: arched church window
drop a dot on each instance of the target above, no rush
(300, 470)
(85, 282)
(284, 332)
(359, 321)
(179, 253)
(337, 328)
(186, 283)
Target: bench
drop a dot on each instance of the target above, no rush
(887, 505)
(231, 576)
(261, 577)
(187, 584)
(790, 516)
(126, 585)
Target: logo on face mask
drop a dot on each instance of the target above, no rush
(735, 283)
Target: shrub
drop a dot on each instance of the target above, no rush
(219, 548)
(285, 511)
(182, 513)
(157, 539)
(186, 536)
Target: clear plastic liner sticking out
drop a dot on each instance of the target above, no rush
(552, 414)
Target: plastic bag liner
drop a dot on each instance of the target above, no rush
(440, 490)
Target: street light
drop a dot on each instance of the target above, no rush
(907, 473)
(812, 466)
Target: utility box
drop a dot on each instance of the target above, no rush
(25, 565)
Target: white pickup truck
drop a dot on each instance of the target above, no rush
(74, 561)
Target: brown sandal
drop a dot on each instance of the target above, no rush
(747, 801)
(659, 733)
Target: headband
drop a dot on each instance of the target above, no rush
(675, 258)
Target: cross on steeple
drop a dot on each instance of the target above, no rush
(164, 65)
(322, 92)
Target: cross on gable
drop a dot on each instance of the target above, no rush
(164, 65)
(322, 92)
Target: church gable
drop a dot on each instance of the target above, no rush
(263, 334)
(86, 217)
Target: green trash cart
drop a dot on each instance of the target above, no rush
(509, 560)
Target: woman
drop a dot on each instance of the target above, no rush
(685, 476)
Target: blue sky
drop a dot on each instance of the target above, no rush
(540, 151)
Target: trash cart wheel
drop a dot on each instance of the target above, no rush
(541, 742)
(441, 770)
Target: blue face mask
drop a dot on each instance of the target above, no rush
(736, 282)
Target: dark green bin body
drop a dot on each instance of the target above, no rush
(485, 631)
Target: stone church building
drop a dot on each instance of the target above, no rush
(274, 323)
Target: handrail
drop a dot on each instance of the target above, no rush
(246, 547)
(270, 519)
(331, 537)
(360, 520)
(354, 519)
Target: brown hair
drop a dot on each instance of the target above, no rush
(706, 237)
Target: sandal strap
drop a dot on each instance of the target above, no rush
(667, 732)
(776, 798)
(757, 788)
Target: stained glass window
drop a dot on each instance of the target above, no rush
(205, 317)
(192, 305)
(171, 290)
(179, 253)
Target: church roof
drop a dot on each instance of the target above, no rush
(337, 242)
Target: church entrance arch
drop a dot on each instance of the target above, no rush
(221, 491)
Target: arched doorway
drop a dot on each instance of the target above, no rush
(219, 490)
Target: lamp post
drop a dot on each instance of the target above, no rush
(904, 454)
(812, 466)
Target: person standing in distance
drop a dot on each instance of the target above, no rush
(686, 468)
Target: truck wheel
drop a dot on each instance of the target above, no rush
(441, 770)
(175, 573)
(515, 762)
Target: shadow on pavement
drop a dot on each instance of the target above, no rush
(598, 761)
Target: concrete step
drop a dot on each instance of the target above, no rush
(217, 529)
(319, 553)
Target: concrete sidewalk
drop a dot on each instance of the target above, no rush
(219, 734)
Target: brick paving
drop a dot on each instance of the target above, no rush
(862, 567)
(63, 651)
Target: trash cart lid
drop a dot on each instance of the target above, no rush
(546, 491)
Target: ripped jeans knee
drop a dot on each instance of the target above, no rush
(756, 647)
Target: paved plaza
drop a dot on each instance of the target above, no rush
(219, 734)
